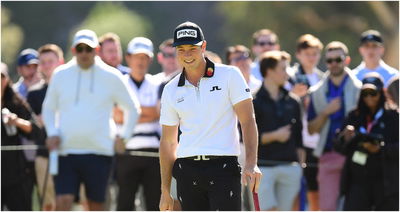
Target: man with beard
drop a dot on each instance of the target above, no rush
(331, 100)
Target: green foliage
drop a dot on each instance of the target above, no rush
(12, 37)
(115, 17)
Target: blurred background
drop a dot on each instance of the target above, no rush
(33, 24)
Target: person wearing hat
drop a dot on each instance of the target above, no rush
(206, 100)
(27, 68)
(372, 50)
(370, 141)
(132, 170)
(82, 94)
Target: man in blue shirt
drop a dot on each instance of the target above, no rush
(372, 49)
(331, 100)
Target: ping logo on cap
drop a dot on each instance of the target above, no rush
(186, 33)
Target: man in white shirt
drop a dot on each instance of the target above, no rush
(372, 50)
(132, 170)
(205, 101)
(77, 115)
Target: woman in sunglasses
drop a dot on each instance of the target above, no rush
(370, 141)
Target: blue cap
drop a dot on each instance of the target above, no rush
(28, 56)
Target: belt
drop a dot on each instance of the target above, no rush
(209, 157)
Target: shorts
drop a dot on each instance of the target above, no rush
(92, 170)
(279, 186)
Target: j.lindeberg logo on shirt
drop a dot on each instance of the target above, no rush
(215, 88)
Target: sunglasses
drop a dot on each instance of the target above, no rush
(369, 92)
(240, 58)
(337, 60)
(81, 48)
(168, 55)
(265, 43)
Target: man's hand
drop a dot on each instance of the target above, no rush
(283, 133)
(348, 133)
(333, 106)
(119, 145)
(371, 148)
(300, 89)
(53, 142)
(254, 173)
(166, 202)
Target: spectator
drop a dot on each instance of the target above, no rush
(111, 51)
(263, 40)
(166, 57)
(393, 92)
(50, 57)
(278, 116)
(328, 107)
(213, 56)
(17, 121)
(370, 142)
(307, 74)
(29, 78)
(372, 50)
(82, 132)
(239, 56)
(133, 171)
(27, 68)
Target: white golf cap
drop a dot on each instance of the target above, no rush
(87, 37)
(141, 45)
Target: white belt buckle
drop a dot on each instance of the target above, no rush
(201, 157)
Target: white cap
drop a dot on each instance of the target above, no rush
(140, 45)
(87, 37)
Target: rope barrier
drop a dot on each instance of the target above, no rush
(156, 155)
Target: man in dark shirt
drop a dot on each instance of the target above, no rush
(50, 57)
(278, 117)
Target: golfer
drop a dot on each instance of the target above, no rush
(206, 100)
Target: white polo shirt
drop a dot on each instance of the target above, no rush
(145, 135)
(205, 113)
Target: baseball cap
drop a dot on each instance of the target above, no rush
(188, 33)
(372, 81)
(140, 45)
(371, 36)
(87, 37)
(28, 56)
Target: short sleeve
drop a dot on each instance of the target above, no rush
(168, 115)
(238, 88)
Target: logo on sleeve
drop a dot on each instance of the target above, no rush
(186, 33)
(179, 100)
(247, 89)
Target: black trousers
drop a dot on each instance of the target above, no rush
(17, 197)
(133, 171)
(208, 184)
(367, 197)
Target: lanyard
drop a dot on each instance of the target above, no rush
(377, 116)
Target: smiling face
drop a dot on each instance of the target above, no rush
(190, 56)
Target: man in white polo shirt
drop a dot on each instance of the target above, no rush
(205, 101)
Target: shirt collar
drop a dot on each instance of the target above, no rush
(264, 94)
(208, 72)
